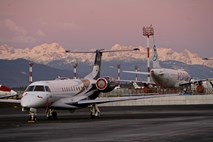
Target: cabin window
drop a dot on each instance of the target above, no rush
(39, 88)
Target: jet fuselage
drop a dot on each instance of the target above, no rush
(48, 93)
(169, 78)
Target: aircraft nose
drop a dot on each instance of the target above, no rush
(32, 100)
(13, 92)
(26, 101)
(153, 72)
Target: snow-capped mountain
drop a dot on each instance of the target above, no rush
(47, 53)
(58, 63)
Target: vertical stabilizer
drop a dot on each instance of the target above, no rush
(95, 74)
(156, 64)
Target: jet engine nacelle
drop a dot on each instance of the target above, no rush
(105, 84)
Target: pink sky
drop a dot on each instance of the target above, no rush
(86, 24)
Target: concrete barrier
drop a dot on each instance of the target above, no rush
(171, 100)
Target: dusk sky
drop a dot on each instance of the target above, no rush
(85, 24)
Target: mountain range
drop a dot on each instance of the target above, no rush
(47, 53)
(50, 61)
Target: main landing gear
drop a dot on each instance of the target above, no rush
(95, 112)
(51, 114)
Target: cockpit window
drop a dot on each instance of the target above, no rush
(39, 88)
(30, 88)
(47, 89)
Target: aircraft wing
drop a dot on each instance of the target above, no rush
(138, 81)
(116, 99)
(7, 96)
(136, 72)
(195, 81)
(10, 101)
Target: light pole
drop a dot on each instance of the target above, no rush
(148, 31)
(119, 73)
(30, 72)
(74, 70)
(136, 76)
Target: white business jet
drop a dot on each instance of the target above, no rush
(71, 94)
(164, 77)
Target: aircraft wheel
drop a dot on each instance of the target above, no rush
(54, 115)
(92, 116)
(50, 117)
(32, 119)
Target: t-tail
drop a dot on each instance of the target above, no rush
(95, 74)
(156, 64)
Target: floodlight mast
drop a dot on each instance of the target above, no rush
(30, 72)
(136, 76)
(148, 31)
(74, 70)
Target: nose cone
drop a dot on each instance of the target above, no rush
(157, 76)
(157, 73)
(26, 101)
(154, 73)
(33, 100)
(13, 92)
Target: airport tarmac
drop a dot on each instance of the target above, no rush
(121, 124)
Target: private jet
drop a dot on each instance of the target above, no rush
(164, 77)
(71, 94)
(170, 78)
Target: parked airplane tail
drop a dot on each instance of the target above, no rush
(95, 74)
(156, 64)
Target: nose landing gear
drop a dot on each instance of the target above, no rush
(33, 114)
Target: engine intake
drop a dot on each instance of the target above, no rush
(105, 84)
